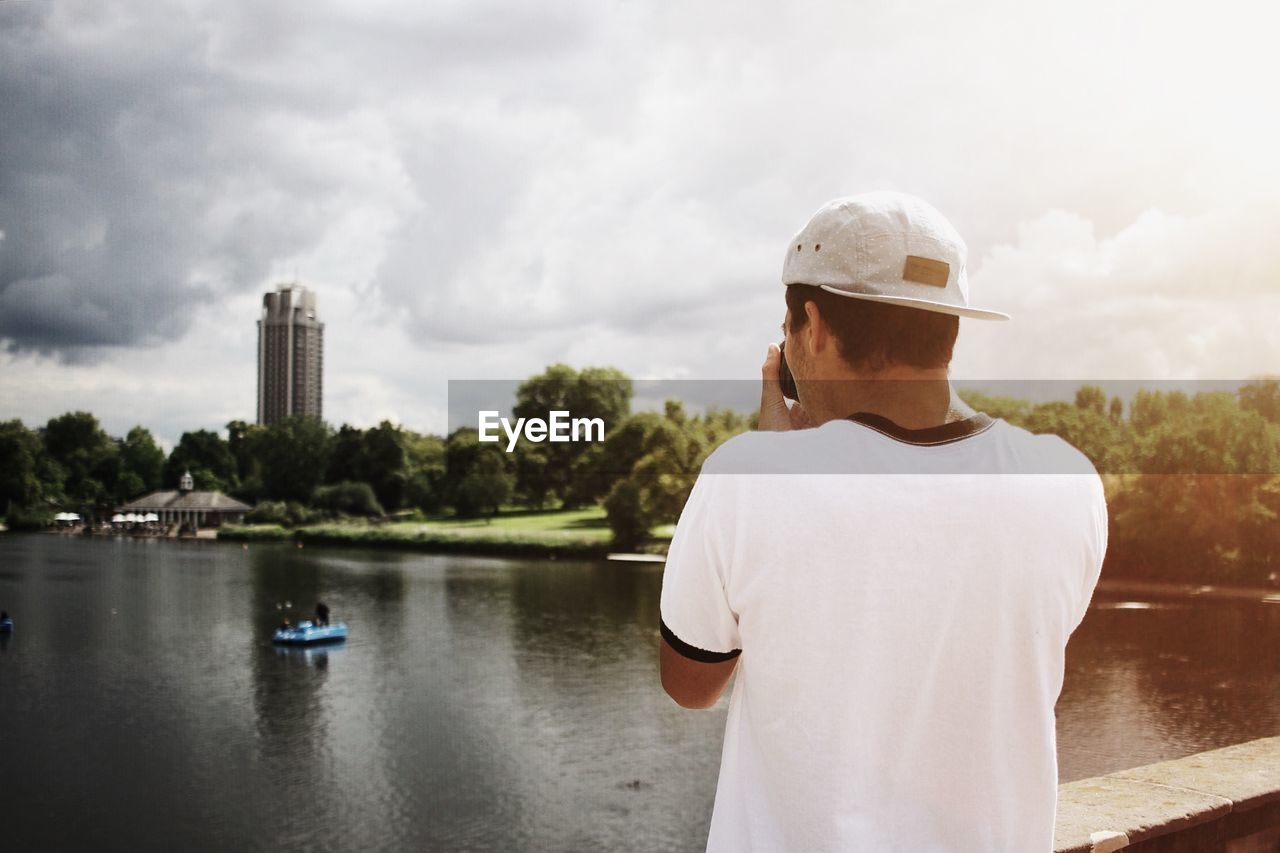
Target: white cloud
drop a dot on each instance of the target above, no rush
(478, 189)
(1167, 297)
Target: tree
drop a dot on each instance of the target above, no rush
(19, 472)
(595, 392)
(355, 499)
(533, 474)
(1011, 409)
(629, 518)
(1204, 504)
(668, 468)
(53, 479)
(1209, 434)
(1148, 410)
(386, 463)
(207, 456)
(66, 435)
(1091, 398)
(626, 444)
(484, 488)
(347, 460)
(478, 477)
(596, 471)
(719, 425)
(664, 454)
(141, 464)
(424, 483)
(1260, 528)
(86, 457)
(377, 456)
(294, 454)
(1262, 396)
(284, 513)
(242, 441)
(1087, 428)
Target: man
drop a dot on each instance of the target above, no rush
(892, 576)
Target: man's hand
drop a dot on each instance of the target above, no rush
(775, 414)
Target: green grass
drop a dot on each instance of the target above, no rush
(254, 533)
(589, 522)
(576, 532)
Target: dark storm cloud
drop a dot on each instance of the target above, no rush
(157, 158)
(160, 158)
(115, 152)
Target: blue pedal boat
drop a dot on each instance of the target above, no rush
(6, 626)
(308, 633)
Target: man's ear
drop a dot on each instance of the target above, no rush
(816, 332)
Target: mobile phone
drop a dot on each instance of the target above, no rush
(785, 379)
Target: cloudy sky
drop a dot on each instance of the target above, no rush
(476, 189)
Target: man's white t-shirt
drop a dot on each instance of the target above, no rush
(901, 600)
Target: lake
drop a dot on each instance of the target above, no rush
(479, 704)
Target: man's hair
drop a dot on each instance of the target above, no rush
(877, 335)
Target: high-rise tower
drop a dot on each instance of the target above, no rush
(290, 355)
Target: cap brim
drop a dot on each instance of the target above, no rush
(922, 304)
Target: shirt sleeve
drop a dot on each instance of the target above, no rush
(697, 620)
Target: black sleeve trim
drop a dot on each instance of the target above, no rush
(693, 652)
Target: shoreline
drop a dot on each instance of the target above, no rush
(492, 543)
(207, 534)
(543, 544)
(551, 545)
(1182, 590)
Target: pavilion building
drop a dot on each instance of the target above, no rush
(188, 506)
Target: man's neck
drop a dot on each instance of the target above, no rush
(911, 398)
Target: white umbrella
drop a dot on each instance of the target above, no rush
(151, 516)
(73, 516)
(129, 516)
(117, 518)
(62, 516)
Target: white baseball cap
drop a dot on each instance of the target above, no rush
(884, 247)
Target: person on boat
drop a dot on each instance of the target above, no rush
(286, 625)
(322, 614)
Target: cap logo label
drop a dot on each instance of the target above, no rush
(926, 271)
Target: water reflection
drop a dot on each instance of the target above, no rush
(317, 656)
(286, 699)
(1134, 605)
(1155, 683)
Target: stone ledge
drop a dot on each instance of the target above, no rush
(1247, 774)
(1132, 806)
(1136, 810)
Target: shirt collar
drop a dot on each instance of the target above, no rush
(944, 434)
